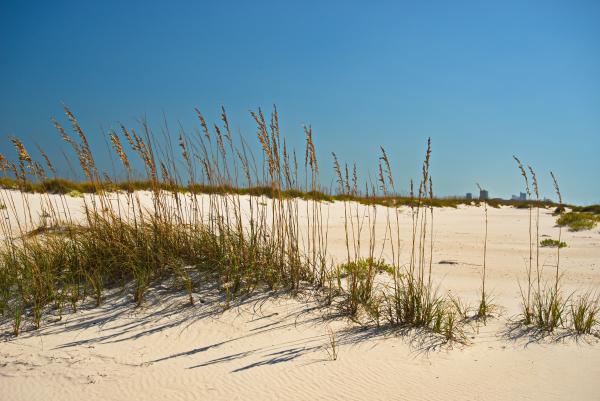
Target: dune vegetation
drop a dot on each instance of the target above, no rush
(222, 216)
(578, 221)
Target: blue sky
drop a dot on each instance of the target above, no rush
(485, 80)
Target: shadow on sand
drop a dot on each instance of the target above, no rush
(517, 332)
(116, 320)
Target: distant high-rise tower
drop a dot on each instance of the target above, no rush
(483, 194)
(469, 196)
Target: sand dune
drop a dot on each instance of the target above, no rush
(273, 346)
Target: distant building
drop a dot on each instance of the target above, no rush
(469, 196)
(522, 197)
(484, 195)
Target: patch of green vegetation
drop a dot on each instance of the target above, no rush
(553, 243)
(75, 194)
(8, 183)
(593, 209)
(578, 221)
(361, 275)
(63, 186)
(363, 267)
(584, 313)
(494, 203)
(58, 186)
(549, 308)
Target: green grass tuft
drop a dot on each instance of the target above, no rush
(584, 313)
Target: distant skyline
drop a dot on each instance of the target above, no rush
(484, 80)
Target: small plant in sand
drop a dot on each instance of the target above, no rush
(585, 312)
(552, 243)
(360, 277)
(332, 347)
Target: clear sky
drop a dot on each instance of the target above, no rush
(485, 80)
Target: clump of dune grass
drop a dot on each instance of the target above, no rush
(584, 312)
(544, 306)
(549, 308)
(415, 302)
(578, 221)
(411, 300)
(550, 303)
(332, 348)
(181, 238)
(552, 243)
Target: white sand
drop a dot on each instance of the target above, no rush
(271, 348)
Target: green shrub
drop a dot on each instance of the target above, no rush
(553, 243)
(360, 275)
(578, 221)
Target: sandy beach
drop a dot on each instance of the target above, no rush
(300, 201)
(275, 345)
